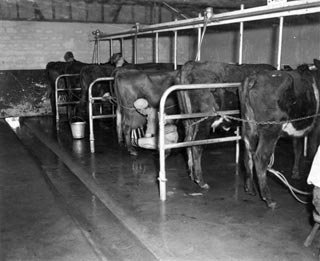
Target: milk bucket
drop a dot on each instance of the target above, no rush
(78, 129)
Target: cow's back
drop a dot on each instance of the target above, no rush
(280, 96)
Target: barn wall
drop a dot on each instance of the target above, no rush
(27, 46)
(300, 43)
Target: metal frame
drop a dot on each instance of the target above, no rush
(243, 15)
(92, 117)
(63, 90)
(162, 120)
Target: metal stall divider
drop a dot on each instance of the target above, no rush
(101, 116)
(162, 120)
(292, 8)
(57, 90)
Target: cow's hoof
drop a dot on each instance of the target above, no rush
(205, 186)
(272, 205)
(250, 190)
(133, 152)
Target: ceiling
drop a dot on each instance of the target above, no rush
(116, 11)
(191, 8)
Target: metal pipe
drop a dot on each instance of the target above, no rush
(157, 48)
(136, 44)
(91, 101)
(250, 14)
(56, 90)
(198, 57)
(122, 46)
(241, 38)
(111, 48)
(175, 49)
(162, 120)
(280, 43)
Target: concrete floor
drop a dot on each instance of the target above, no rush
(60, 202)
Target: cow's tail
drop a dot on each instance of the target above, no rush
(244, 96)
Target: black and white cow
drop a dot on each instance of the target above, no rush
(274, 103)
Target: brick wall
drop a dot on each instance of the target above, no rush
(31, 45)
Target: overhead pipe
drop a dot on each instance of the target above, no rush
(250, 14)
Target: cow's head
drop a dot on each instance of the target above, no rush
(222, 122)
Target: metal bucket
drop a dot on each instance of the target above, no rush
(78, 129)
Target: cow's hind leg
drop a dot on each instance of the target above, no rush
(250, 139)
(297, 148)
(248, 162)
(128, 139)
(198, 176)
(262, 157)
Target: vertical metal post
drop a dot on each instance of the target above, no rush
(157, 48)
(91, 101)
(162, 160)
(111, 48)
(121, 46)
(199, 43)
(241, 39)
(136, 44)
(280, 43)
(175, 49)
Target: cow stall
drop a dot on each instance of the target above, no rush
(273, 10)
(62, 201)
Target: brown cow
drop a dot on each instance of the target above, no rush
(208, 101)
(130, 85)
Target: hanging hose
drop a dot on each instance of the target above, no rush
(207, 16)
(282, 178)
(292, 189)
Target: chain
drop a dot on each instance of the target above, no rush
(269, 122)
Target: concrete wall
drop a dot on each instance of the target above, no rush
(300, 43)
(30, 45)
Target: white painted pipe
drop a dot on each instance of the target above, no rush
(198, 57)
(91, 100)
(241, 39)
(280, 43)
(157, 48)
(162, 120)
(56, 90)
(175, 49)
(111, 48)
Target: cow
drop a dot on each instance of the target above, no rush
(118, 60)
(132, 84)
(92, 72)
(291, 108)
(87, 75)
(207, 101)
(55, 69)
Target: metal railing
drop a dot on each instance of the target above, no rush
(92, 117)
(162, 120)
(67, 89)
